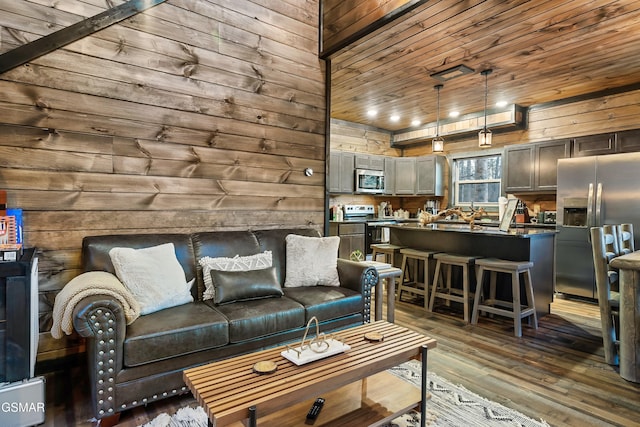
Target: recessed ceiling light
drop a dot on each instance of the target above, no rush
(372, 113)
(501, 104)
(394, 118)
(454, 113)
(415, 123)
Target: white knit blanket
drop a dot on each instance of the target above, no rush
(85, 285)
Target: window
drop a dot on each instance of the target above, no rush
(477, 180)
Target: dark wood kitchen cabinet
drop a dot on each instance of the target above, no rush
(341, 167)
(352, 237)
(547, 154)
(595, 145)
(628, 141)
(533, 167)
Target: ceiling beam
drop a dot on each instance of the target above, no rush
(54, 41)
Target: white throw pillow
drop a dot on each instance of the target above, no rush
(312, 261)
(153, 275)
(237, 263)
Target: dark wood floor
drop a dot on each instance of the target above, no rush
(556, 373)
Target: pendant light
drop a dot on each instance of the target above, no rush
(437, 144)
(484, 136)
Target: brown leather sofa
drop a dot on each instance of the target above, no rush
(143, 362)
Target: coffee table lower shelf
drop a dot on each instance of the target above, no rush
(370, 402)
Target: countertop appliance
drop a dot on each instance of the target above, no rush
(548, 217)
(369, 181)
(592, 191)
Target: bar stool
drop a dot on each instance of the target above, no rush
(388, 250)
(414, 286)
(443, 290)
(513, 309)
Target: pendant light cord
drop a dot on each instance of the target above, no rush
(486, 94)
(438, 87)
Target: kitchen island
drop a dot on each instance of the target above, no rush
(517, 244)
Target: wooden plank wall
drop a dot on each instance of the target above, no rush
(342, 19)
(191, 116)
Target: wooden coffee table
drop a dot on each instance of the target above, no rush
(231, 392)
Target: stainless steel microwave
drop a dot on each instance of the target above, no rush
(369, 181)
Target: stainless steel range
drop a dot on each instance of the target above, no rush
(376, 231)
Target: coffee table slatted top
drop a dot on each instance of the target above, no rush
(228, 388)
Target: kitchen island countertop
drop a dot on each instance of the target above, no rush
(519, 232)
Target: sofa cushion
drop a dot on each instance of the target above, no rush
(174, 332)
(95, 250)
(326, 302)
(216, 244)
(258, 318)
(237, 263)
(312, 261)
(153, 275)
(245, 285)
(274, 241)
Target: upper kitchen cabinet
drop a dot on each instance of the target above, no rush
(341, 167)
(369, 161)
(518, 167)
(430, 175)
(533, 167)
(405, 176)
(595, 145)
(389, 175)
(629, 141)
(546, 163)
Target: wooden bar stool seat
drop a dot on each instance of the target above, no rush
(442, 288)
(513, 309)
(413, 285)
(388, 250)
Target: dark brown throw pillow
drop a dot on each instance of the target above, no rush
(233, 286)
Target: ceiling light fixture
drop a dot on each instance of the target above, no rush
(415, 122)
(484, 136)
(372, 113)
(501, 104)
(454, 114)
(452, 73)
(437, 143)
(394, 118)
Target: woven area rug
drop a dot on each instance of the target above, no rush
(450, 406)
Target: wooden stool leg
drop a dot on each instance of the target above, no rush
(425, 282)
(436, 278)
(402, 277)
(449, 279)
(530, 301)
(517, 319)
(478, 295)
(465, 292)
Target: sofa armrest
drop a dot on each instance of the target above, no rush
(360, 278)
(101, 320)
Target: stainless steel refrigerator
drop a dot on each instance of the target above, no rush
(592, 191)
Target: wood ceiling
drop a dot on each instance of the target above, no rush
(540, 52)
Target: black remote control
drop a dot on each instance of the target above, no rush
(315, 410)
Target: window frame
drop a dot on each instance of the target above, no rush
(454, 183)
